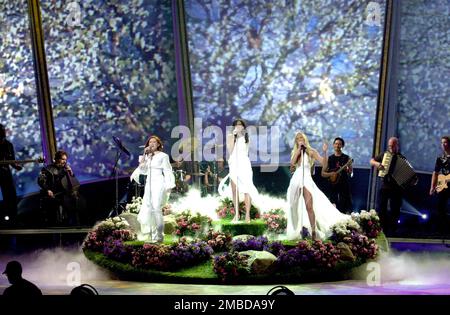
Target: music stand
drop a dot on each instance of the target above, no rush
(120, 149)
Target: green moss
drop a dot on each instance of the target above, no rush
(168, 240)
(201, 273)
(255, 227)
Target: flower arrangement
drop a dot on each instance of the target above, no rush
(369, 221)
(275, 220)
(305, 255)
(219, 241)
(361, 246)
(190, 225)
(134, 206)
(343, 229)
(152, 256)
(115, 249)
(275, 248)
(325, 255)
(164, 257)
(226, 210)
(93, 242)
(230, 266)
(106, 227)
(254, 243)
(112, 227)
(300, 256)
(185, 253)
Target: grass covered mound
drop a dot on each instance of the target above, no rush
(215, 256)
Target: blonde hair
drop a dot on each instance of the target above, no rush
(307, 145)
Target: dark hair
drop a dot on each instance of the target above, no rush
(59, 154)
(245, 127)
(158, 139)
(340, 139)
(446, 138)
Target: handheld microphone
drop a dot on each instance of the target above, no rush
(302, 147)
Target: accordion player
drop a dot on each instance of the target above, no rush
(399, 168)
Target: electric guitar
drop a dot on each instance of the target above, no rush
(10, 162)
(442, 182)
(334, 179)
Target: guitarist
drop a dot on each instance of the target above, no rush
(442, 167)
(340, 193)
(9, 209)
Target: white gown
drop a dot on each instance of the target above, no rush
(297, 217)
(160, 179)
(240, 173)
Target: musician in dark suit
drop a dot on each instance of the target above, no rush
(60, 199)
(442, 168)
(339, 189)
(390, 190)
(8, 211)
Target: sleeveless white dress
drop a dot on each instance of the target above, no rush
(297, 217)
(160, 179)
(240, 172)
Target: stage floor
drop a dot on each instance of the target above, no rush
(411, 267)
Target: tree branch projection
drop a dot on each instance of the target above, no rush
(297, 64)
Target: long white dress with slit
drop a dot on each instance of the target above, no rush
(297, 217)
(160, 180)
(240, 172)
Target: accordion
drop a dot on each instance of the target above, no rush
(402, 171)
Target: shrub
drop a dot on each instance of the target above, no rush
(226, 210)
(230, 266)
(191, 225)
(275, 220)
(219, 241)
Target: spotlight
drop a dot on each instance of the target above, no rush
(84, 289)
(424, 216)
(398, 221)
(280, 290)
(6, 218)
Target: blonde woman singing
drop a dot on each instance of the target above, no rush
(308, 205)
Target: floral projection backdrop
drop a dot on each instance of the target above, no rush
(424, 93)
(18, 104)
(111, 68)
(300, 65)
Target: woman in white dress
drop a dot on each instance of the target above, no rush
(308, 205)
(241, 173)
(160, 180)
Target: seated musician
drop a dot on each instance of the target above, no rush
(214, 172)
(339, 191)
(60, 198)
(440, 183)
(390, 190)
(182, 171)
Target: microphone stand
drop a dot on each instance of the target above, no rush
(115, 210)
(237, 179)
(302, 161)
